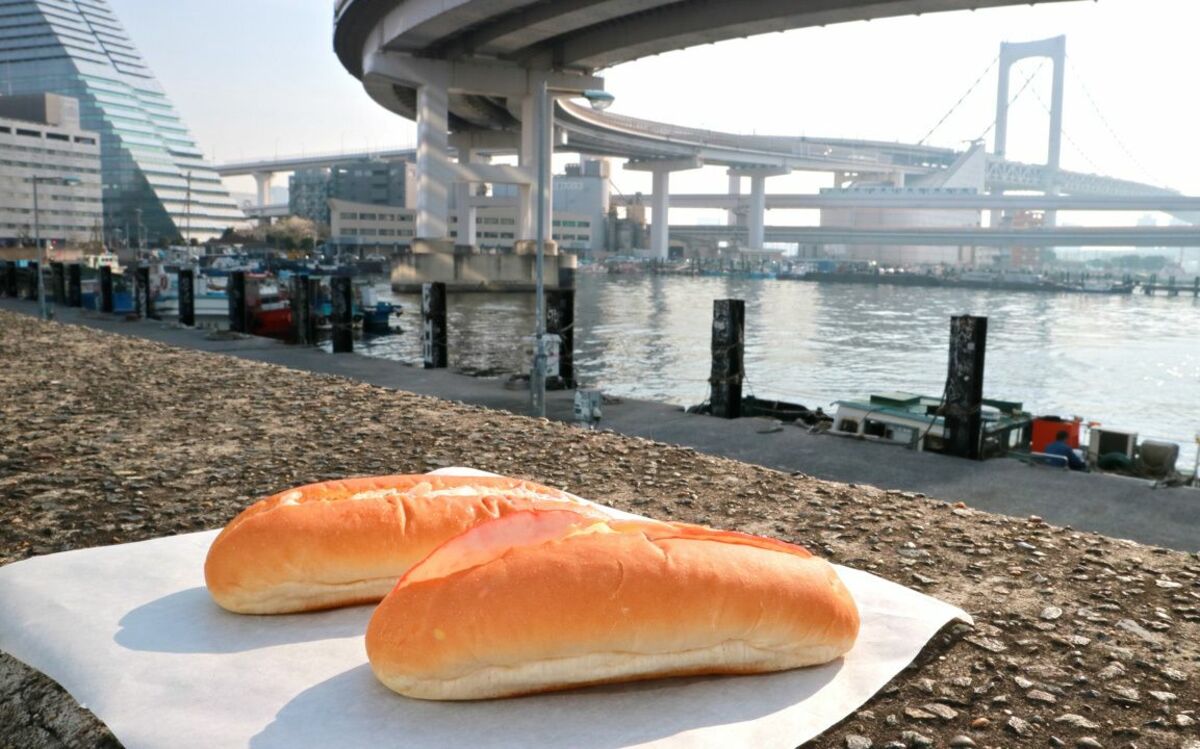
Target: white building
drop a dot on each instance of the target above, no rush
(40, 136)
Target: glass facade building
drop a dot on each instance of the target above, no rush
(156, 185)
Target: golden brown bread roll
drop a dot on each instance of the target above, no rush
(340, 543)
(540, 601)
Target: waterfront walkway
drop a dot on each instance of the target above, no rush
(1114, 506)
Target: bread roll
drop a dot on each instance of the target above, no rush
(541, 601)
(341, 543)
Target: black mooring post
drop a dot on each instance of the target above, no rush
(560, 321)
(300, 308)
(236, 291)
(145, 304)
(58, 283)
(314, 301)
(106, 289)
(74, 285)
(434, 338)
(728, 350)
(10, 278)
(343, 315)
(963, 409)
(31, 280)
(187, 297)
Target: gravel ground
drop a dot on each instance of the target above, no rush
(1080, 640)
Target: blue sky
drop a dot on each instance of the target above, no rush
(258, 77)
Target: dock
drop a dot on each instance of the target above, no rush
(1115, 506)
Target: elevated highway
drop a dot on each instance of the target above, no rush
(915, 200)
(1173, 236)
(481, 69)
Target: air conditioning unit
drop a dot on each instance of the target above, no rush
(1105, 441)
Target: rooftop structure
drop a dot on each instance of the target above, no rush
(156, 184)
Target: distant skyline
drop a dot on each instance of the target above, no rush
(260, 78)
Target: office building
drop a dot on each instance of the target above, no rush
(40, 137)
(381, 183)
(156, 185)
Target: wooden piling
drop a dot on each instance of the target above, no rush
(301, 308)
(187, 297)
(343, 315)
(728, 354)
(314, 299)
(58, 283)
(236, 290)
(434, 336)
(11, 287)
(74, 285)
(144, 302)
(106, 289)
(963, 407)
(560, 321)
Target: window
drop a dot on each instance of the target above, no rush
(29, 133)
(344, 216)
(58, 136)
(367, 217)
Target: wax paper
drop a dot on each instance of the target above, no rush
(131, 632)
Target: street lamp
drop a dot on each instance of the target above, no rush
(43, 310)
(600, 100)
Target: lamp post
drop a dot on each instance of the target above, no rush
(599, 100)
(43, 309)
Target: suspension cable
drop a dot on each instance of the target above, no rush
(1013, 100)
(961, 99)
(1108, 126)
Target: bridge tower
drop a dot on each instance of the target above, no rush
(1010, 53)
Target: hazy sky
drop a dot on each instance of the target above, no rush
(258, 77)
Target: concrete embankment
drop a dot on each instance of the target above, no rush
(109, 439)
(1114, 506)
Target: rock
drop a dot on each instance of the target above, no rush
(1111, 671)
(914, 740)
(1019, 726)
(1087, 742)
(980, 723)
(1022, 682)
(1078, 721)
(916, 713)
(1037, 695)
(1123, 695)
(1162, 696)
(1050, 613)
(854, 741)
(962, 741)
(1184, 721)
(945, 712)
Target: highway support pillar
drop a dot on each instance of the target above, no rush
(756, 219)
(58, 283)
(434, 336)
(106, 289)
(236, 290)
(343, 315)
(463, 195)
(74, 285)
(728, 356)
(141, 283)
(735, 191)
(963, 408)
(262, 184)
(301, 308)
(660, 201)
(433, 149)
(187, 297)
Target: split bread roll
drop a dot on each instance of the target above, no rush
(541, 601)
(341, 543)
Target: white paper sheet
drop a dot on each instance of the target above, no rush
(132, 634)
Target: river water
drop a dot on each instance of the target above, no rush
(1129, 362)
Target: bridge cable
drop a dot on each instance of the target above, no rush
(961, 99)
(1120, 143)
(1069, 139)
(1013, 100)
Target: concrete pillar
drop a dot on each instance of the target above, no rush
(525, 228)
(735, 191)
(660, 207)
(463, 192)
(757, 219)
(263, 182)
(432, 159)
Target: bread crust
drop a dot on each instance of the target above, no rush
(581, 601)
(341, 543)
